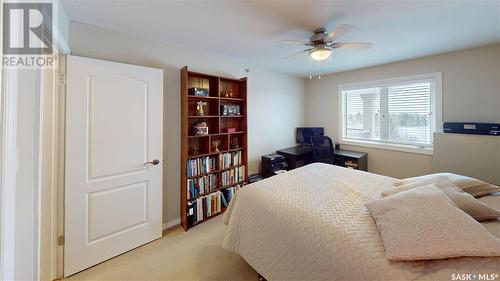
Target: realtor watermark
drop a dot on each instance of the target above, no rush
(27, 35)
(474, 276)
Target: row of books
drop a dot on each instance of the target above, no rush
(211, 204)
(199, 166)
(228, 193)
(204, 207)
(201, 185)
(230, 159)
(234, 175)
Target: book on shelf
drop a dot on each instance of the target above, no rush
(228, 194)
(237, 158)
(204, 207)
(200, 166)
(224, 201)
(233, 175)
(230, 159)
(201, 185)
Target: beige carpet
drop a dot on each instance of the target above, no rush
(178, 255)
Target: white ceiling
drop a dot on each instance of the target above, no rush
(250, 31)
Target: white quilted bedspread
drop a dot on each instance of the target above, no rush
(312, 224)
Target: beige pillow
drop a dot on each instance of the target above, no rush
(492, 200)
(464, 201)
(467, 203)
(474, 187)
(424, 224)
(416, 183)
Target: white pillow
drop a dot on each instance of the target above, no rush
(424, 224)
(463, 200)
(409, 184)
(474, 187)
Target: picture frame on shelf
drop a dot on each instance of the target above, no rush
(200, 128)
(230, 109)
(198, 92)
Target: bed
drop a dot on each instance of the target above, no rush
(312, 224)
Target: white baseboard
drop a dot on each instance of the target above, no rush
(172, 223)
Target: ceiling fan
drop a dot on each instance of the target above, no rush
(322, 43)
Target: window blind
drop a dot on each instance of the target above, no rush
(362, 120)
(399, 113)
(409, 108)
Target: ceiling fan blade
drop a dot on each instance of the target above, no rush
(351, 45)
(295, 42)
(296, 53)
(339, 31)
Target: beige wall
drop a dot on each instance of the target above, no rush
(471, 155)
(471, 92)
(275, 101)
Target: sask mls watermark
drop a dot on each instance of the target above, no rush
(27, 35)
(474, 276)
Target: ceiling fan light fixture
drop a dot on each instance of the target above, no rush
(320, 54)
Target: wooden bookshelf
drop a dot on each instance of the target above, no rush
(221, 91)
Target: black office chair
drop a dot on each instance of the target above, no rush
(323, 149)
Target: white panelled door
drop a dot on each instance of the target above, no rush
(113, 196)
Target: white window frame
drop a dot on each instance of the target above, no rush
(436, 111)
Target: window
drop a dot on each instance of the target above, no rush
(401, 113)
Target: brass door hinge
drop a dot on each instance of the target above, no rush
(62, 78)
(60, 240)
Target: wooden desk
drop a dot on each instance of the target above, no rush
(298, 156)
(358, 159)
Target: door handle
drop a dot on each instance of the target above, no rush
(154, 162)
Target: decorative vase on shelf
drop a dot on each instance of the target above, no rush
(235, 143)
(215, 145)
(195, 149)
(199, 108)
